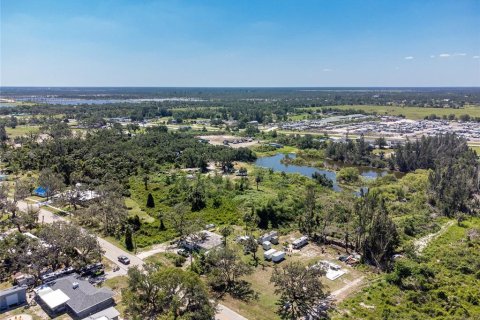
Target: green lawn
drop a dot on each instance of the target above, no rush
(166, 259)
(476, 148)
(21, 131)
(134, 209)
(117, 284)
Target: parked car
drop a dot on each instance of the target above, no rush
(124, 259)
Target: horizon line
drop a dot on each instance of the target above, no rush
(233, 87)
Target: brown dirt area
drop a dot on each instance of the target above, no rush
(217, 140)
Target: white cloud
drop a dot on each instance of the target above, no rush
(409, 58)
(327, 70)
(444, 55)
(476, 57)
(432, 56)
(459, 54)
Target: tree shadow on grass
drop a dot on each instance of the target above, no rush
(243, 291)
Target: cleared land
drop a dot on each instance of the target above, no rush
(21, 130)
(265, 307)
(218, 141)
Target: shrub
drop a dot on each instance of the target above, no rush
(348, 175)
(179, 261)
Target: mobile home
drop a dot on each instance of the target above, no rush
(300, 242)
(268, 254)
(278, 256)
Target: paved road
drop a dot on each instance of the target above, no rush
(225, 313)
(111, 252)
(159, 248)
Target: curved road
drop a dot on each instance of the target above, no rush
(111, 252)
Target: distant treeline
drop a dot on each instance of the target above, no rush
(243, 105)
(317, 96)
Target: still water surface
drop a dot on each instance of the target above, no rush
(275, 163)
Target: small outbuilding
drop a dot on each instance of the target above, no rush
(268, 237)
(13, 297)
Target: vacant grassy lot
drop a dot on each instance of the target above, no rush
(135, 210)
(21, 131)
(416, 113)
(265, 307)
(443, 284)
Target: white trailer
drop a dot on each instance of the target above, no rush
(300, 242)
(268, 254)
(268, 236)
(278, 256)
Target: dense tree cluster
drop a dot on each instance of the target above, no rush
(376, 234)
(106, 155)
(350, 152)
(455, 169)
(59, 244)
(302, 294)
(166, 293)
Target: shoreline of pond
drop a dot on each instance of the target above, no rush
(277, 164)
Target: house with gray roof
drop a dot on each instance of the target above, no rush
(77, 297)
(202, 241)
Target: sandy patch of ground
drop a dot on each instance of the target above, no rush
(217, 140)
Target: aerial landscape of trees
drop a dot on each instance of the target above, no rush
(157, 183)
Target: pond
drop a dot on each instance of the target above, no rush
(275, 163)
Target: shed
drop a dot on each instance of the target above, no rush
(268, 254)
(12, 297)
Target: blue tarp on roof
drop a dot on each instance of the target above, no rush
(41, 192)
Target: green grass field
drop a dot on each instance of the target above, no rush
(476, 148)
(415, 113)
(21, 131)
(134, 209)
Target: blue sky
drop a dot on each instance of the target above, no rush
(240, 43)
